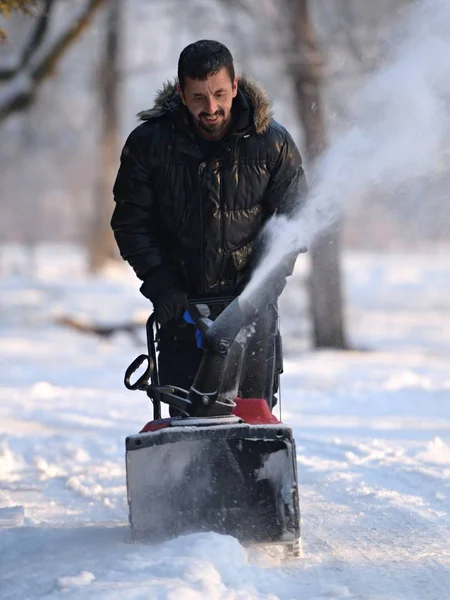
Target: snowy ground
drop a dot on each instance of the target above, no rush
(372, 430)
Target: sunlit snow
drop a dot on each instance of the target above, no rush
(372, 428)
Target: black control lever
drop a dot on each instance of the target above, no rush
(187, 402)
(142, 382)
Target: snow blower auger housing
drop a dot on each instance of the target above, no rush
(226, 464)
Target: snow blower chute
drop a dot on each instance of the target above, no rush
(226, 464)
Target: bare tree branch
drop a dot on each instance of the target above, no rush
(8, 6)
(38, 34)
(105, 331)
(21, 90)
(33, 43)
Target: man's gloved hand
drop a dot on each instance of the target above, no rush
(170, 306)
(165, 292)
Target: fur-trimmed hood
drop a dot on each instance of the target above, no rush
(168, 99)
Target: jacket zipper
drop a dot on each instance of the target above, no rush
(200, 170)
(222, 226)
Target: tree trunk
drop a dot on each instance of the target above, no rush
(324, 287)
(102, 246)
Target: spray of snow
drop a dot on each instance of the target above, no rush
(400, 134)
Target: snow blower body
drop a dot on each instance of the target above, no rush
(226, 464)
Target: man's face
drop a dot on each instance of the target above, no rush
(209, 102)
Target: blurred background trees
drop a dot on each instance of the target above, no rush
(324, 284)
(39, 57)
(102, 246)
(73, 75)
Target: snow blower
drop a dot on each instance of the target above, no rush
(226, 464)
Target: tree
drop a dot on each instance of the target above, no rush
(38, 61)
(325, 291)
(102, 246)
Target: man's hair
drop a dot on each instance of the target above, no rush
(204, 58)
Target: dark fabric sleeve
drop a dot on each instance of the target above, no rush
(287, 187)
(134, 220)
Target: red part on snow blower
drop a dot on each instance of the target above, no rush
(253, 411)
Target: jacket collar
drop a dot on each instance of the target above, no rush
(251, 107)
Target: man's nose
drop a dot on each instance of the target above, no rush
(211, 105)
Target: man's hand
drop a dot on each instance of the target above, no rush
(170, 306)
(165, 292)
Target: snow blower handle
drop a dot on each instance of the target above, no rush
(142, 381)
(199, 314)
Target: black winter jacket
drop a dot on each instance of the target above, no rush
(200, 214)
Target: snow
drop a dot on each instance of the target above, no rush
(372, 428)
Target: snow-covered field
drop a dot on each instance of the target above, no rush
(372, 429)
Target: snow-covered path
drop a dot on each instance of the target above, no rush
(375, 492)
(373, 445)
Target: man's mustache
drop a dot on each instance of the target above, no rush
(218, 113)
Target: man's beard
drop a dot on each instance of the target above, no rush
(214, 127)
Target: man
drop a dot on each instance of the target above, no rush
(198, 180)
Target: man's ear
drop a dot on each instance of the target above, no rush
(180, 91)
(235, 86)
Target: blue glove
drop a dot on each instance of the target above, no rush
(198, 334)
